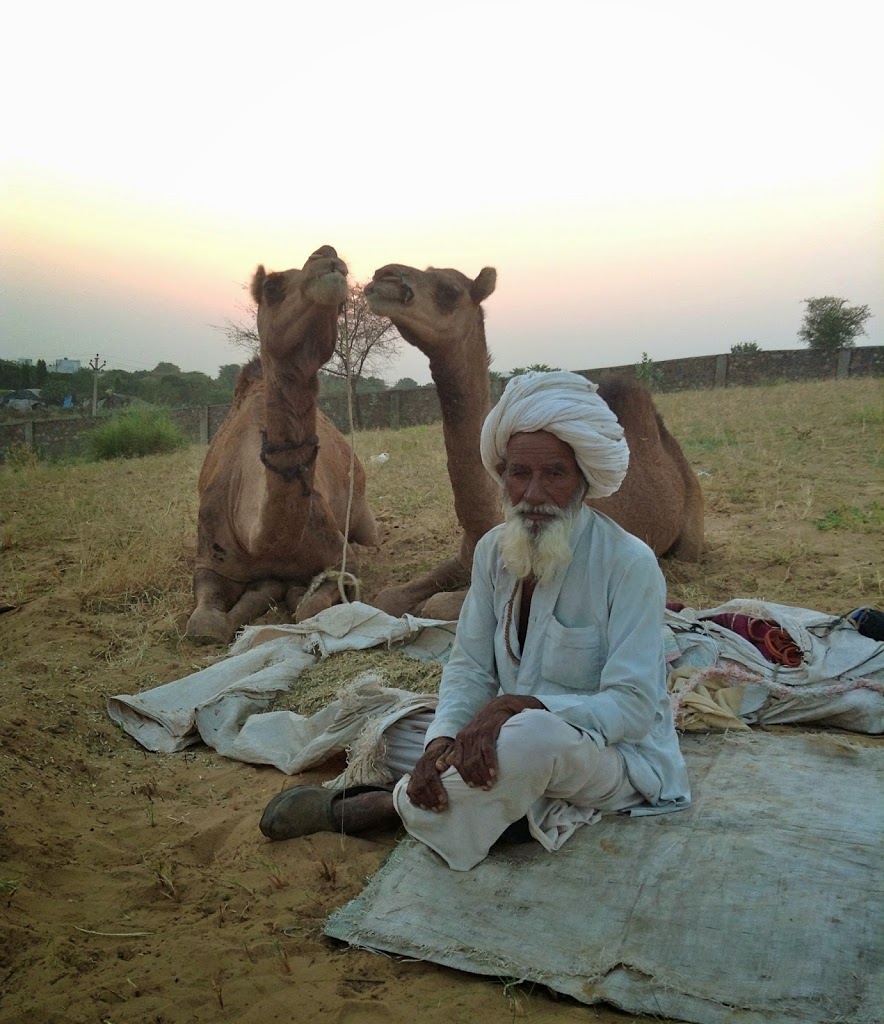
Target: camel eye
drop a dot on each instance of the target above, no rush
(446, 296)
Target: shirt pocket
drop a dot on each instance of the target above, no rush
(572, 657)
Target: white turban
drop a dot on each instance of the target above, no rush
(564, 404)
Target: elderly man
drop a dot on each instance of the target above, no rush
(553, 706)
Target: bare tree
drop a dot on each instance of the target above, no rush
(242, 334)
(365, 340)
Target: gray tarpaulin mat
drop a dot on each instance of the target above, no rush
(761, 903)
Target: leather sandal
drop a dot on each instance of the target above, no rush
(303, 810)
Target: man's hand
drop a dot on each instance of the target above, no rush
(474, 752)
(425, 789)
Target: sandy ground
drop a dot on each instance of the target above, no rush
(136, 887)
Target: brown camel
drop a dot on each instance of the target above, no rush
(439, 312)
(275, 482)
(660, 500)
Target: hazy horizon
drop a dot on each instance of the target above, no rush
(645, 179)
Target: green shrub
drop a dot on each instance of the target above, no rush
(851, 517)
(133, 434)
(20, 455)
(645, 371)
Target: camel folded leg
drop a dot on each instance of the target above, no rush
(450, 575)
(363, 528)
(445, 605)
(257, 599)
(293, 597)
(326, 595)
(688, 546)
(214, 595)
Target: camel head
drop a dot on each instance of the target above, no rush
(432, 309)
(298, 310)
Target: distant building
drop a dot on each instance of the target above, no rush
(23, 400)
(25, 362)
(66, 365)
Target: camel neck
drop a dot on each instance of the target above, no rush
(464, 392)
(289, 405)
(289, 444)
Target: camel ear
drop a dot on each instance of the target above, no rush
(484, 284)
(257, 288)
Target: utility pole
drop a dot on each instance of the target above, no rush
(96, 368)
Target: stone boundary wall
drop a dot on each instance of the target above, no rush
(754, 368)
(384, 410)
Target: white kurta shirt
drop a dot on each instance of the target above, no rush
(593, 652)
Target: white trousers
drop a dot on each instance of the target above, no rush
(547, 771)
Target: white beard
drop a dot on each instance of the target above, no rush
(537, 549)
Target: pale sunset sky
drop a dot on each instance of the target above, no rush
(659, 176)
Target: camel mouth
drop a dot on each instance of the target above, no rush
(328, 288)
(334, 272)
(390, 287)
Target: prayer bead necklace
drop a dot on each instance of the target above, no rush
(507, 624)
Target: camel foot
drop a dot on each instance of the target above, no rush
(687, 549)
(445, 606)
(325, 597)
(209, 625)
(395, 601)
(293, 597)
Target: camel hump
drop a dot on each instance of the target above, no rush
(632, 404)
(251, 372)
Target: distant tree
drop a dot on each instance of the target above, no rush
(367, 384)
(172, 389)
(8, 374)
(366, 341)
(494, 374)
(331, 385)
(830, 324)
(242, 334)
(78, 384)
(405, 384)
(165, 368)
(539, 367)
(56, 387)
(645, 371)
(745, 348)
(227, 375)
(41, 374)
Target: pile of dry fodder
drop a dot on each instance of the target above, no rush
(320, 684)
